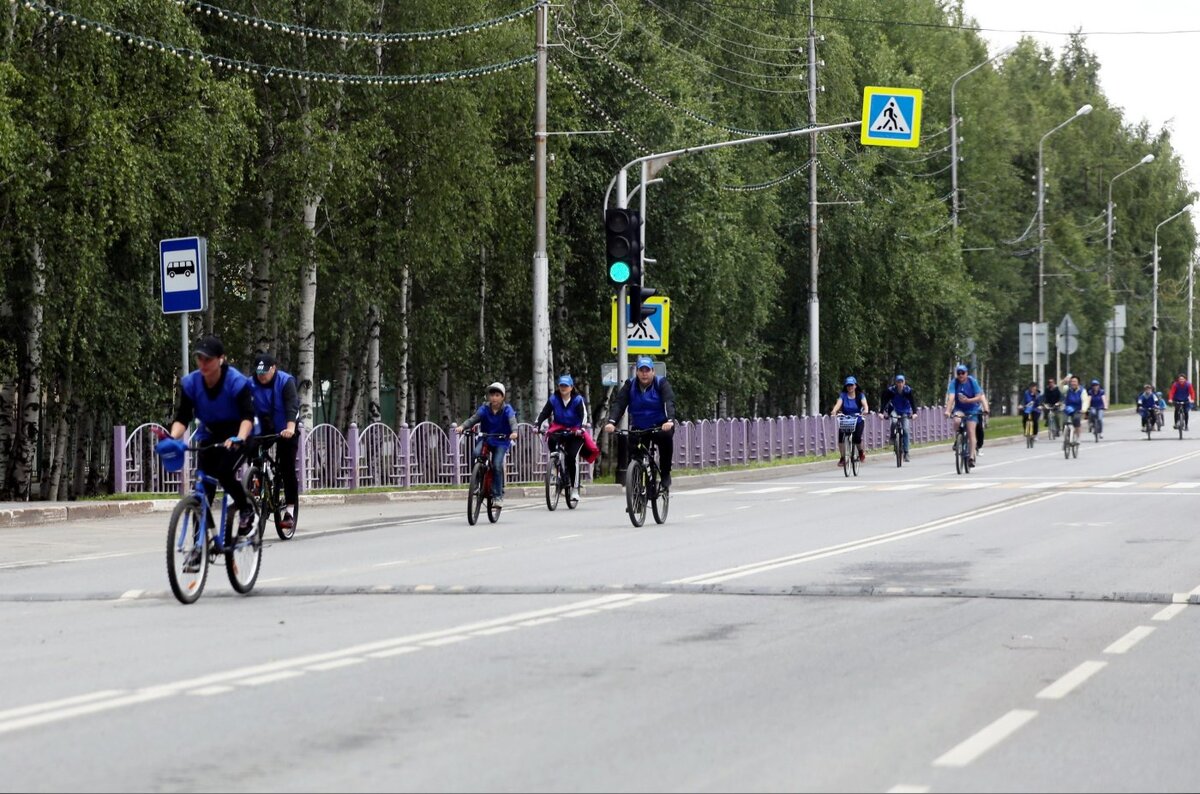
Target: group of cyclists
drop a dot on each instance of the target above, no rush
(1074, 403)
(231, 406)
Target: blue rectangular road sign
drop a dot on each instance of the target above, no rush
(183, 271)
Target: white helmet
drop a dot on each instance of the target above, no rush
(497, 386)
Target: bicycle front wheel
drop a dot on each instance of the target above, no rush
(958, 455)
(475, 494)
(187, 559)
(635, 492)
(552, 484)
(898, 443)
(854, 458)
(243, 555)
(661, 502)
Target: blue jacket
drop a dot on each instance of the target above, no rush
(646, 408)
(1147, 402)
(1073, 399)
(900, 400)
(269, 405)
(1028, 398)
(572, 413)
(504, 423)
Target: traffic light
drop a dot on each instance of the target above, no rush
(623, 246)
(637, 296)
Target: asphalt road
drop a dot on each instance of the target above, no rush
(1021, 628)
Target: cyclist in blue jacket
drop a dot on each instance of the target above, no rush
(494, 416)
(965, 396)
(1147, 405)
(220, 397)
(899, 398)
(852, 403)
(277, 406)
(1073, 403)
(651, 403)
(1031, 402)
(567, 411)
(1097, 403)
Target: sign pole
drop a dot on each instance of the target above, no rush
(183, 338)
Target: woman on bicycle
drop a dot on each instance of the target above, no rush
(567, 411)
(494, 417)
(851, 403)
(1032, 400)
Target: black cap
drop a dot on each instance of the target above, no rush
(263, 363)
(210, 346)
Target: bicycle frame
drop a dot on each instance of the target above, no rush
(199, 491)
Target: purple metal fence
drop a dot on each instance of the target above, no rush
(427, 455)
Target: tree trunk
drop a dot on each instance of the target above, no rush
(261, 283)
(403, 384)
(374, 413)
(482, 307)
(306, 337)
(342, 384)
(58, 442)
(444, 395)
(24, 455)
(85, 424)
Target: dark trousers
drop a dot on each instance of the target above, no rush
(222, 463)
(570, 447)
(665, 441)
(285, 467)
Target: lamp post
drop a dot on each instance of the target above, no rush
(1154, 312)
(954, 133)
(1108, 238)
(1083, 111)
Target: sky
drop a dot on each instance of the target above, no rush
(1147, 73)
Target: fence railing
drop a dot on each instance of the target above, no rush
(428, 455)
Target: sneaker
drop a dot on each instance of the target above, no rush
(287, 522)
(862, 456)
(498, 502)
(842, 461)
(246, 523)
(666, 480)
(906, 457)
(192, 563)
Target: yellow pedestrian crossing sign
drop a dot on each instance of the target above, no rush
(651, 335)
(891, 116)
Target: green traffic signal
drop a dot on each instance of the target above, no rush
(618, 272)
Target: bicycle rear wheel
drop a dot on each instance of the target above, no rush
(898, 444)
(475, 494)
(958, 455)
(635, 492)
(284, 533)
(489, 488)
(846, 448)
(186, 541)
(661, 503)
(853, 457)
(1067, 442)
(553, 480)
(243, 555)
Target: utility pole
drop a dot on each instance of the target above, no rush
(541, 262)
(814, 252)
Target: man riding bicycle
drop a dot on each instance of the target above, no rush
(1097, 403)
(567, 411)
(277, 406)
(1032, 402)
(498, 418)
(220, 397)
(1051, 400)
(900, 400)
(1182, 392)
(651, 403)
(1073, 404)
(965, 396)
(1147, 406)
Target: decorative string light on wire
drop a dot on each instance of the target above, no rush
(269, 72)
(346, 36)
(591, 103)
(768, 184)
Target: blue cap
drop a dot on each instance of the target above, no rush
(961, 368)
(1095, 382)
(645, 362)
(566, 380)
(900, 377)
(850, 381)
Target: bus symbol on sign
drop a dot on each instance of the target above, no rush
(182, 267)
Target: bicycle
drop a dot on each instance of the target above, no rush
(1095, 423)
(263, 483)
(643, 479)
(962, 446)
(1152, 421)
(556, 471)
(1030, 436)
(847, 424)
(191, 544)
(1053, 421)
(483, 474)
(1181, 417)
(898, 432)
(1070, 439)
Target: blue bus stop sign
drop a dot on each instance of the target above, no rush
(183, 270)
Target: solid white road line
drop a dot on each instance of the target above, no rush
(986, 739)
(270, 678)
(24, 711)
(775, 489)
(1131, 639)
(841, 489)
(336, 664)
(700, 491)
(905, 788)
(440, 641)
(909, 487)
(1183, 485)
(390, 652)
(1065, 685)
(1113, 485)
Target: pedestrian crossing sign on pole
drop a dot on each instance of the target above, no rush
(891, 116)
(651, 335)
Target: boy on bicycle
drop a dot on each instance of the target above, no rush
(1032, 402)
(899, 398)
(567, 411)
(220, 397)
(1147, 404)
(277, 406)
(494, 417)
(651, 403)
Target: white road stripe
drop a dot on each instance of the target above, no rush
(490, 548)
(129, 595)
(403, 649)
(440, 641)
(1166, 613)
(335, 664)
(1065, 685)
(776, 489)
(1182, 485)
(840, 489)
(905, 788)
(271, 678)
(580, 613)
(538, 622)
(1113, 485)
(58, 704)
(568, 537)
(743, 507)
(1040, 485)
(209, 691)
(910, 487)
(986, 739)
(493, 631)
(971, 486)
(700, 491)
(1131, 639)
(386, 564)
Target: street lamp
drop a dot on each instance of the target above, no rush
(1154, 313)
(1083, 111)
(954, 134)
(1109, 235)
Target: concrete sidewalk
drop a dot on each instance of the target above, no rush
(20, 514)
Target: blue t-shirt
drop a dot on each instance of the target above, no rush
(1097, 399)
(966, 389)
(851, 406)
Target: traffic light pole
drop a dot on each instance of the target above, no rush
(650, 166)
(541, 261)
